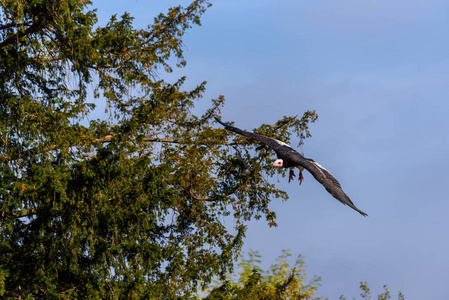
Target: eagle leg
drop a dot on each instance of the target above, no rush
(301, 178)
(291, 175)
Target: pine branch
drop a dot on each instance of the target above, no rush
(34, 151)
(13, 24)
(33, 28)
(23, 212)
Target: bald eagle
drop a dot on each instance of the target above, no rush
(290, 158)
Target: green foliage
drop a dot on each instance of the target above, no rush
(366, 293)
(279, 282)
(126, 208)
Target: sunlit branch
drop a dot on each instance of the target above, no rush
(23, 212)
(17, 36)
(106, 139)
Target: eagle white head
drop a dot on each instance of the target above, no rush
(278, 163)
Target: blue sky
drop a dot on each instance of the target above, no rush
(377, 73)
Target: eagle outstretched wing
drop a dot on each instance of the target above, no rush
(274, 144)
(329, 182)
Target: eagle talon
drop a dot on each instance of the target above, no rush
(291, 175)
(301, 178)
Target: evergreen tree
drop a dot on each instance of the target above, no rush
(279, 282)
(127, 207)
